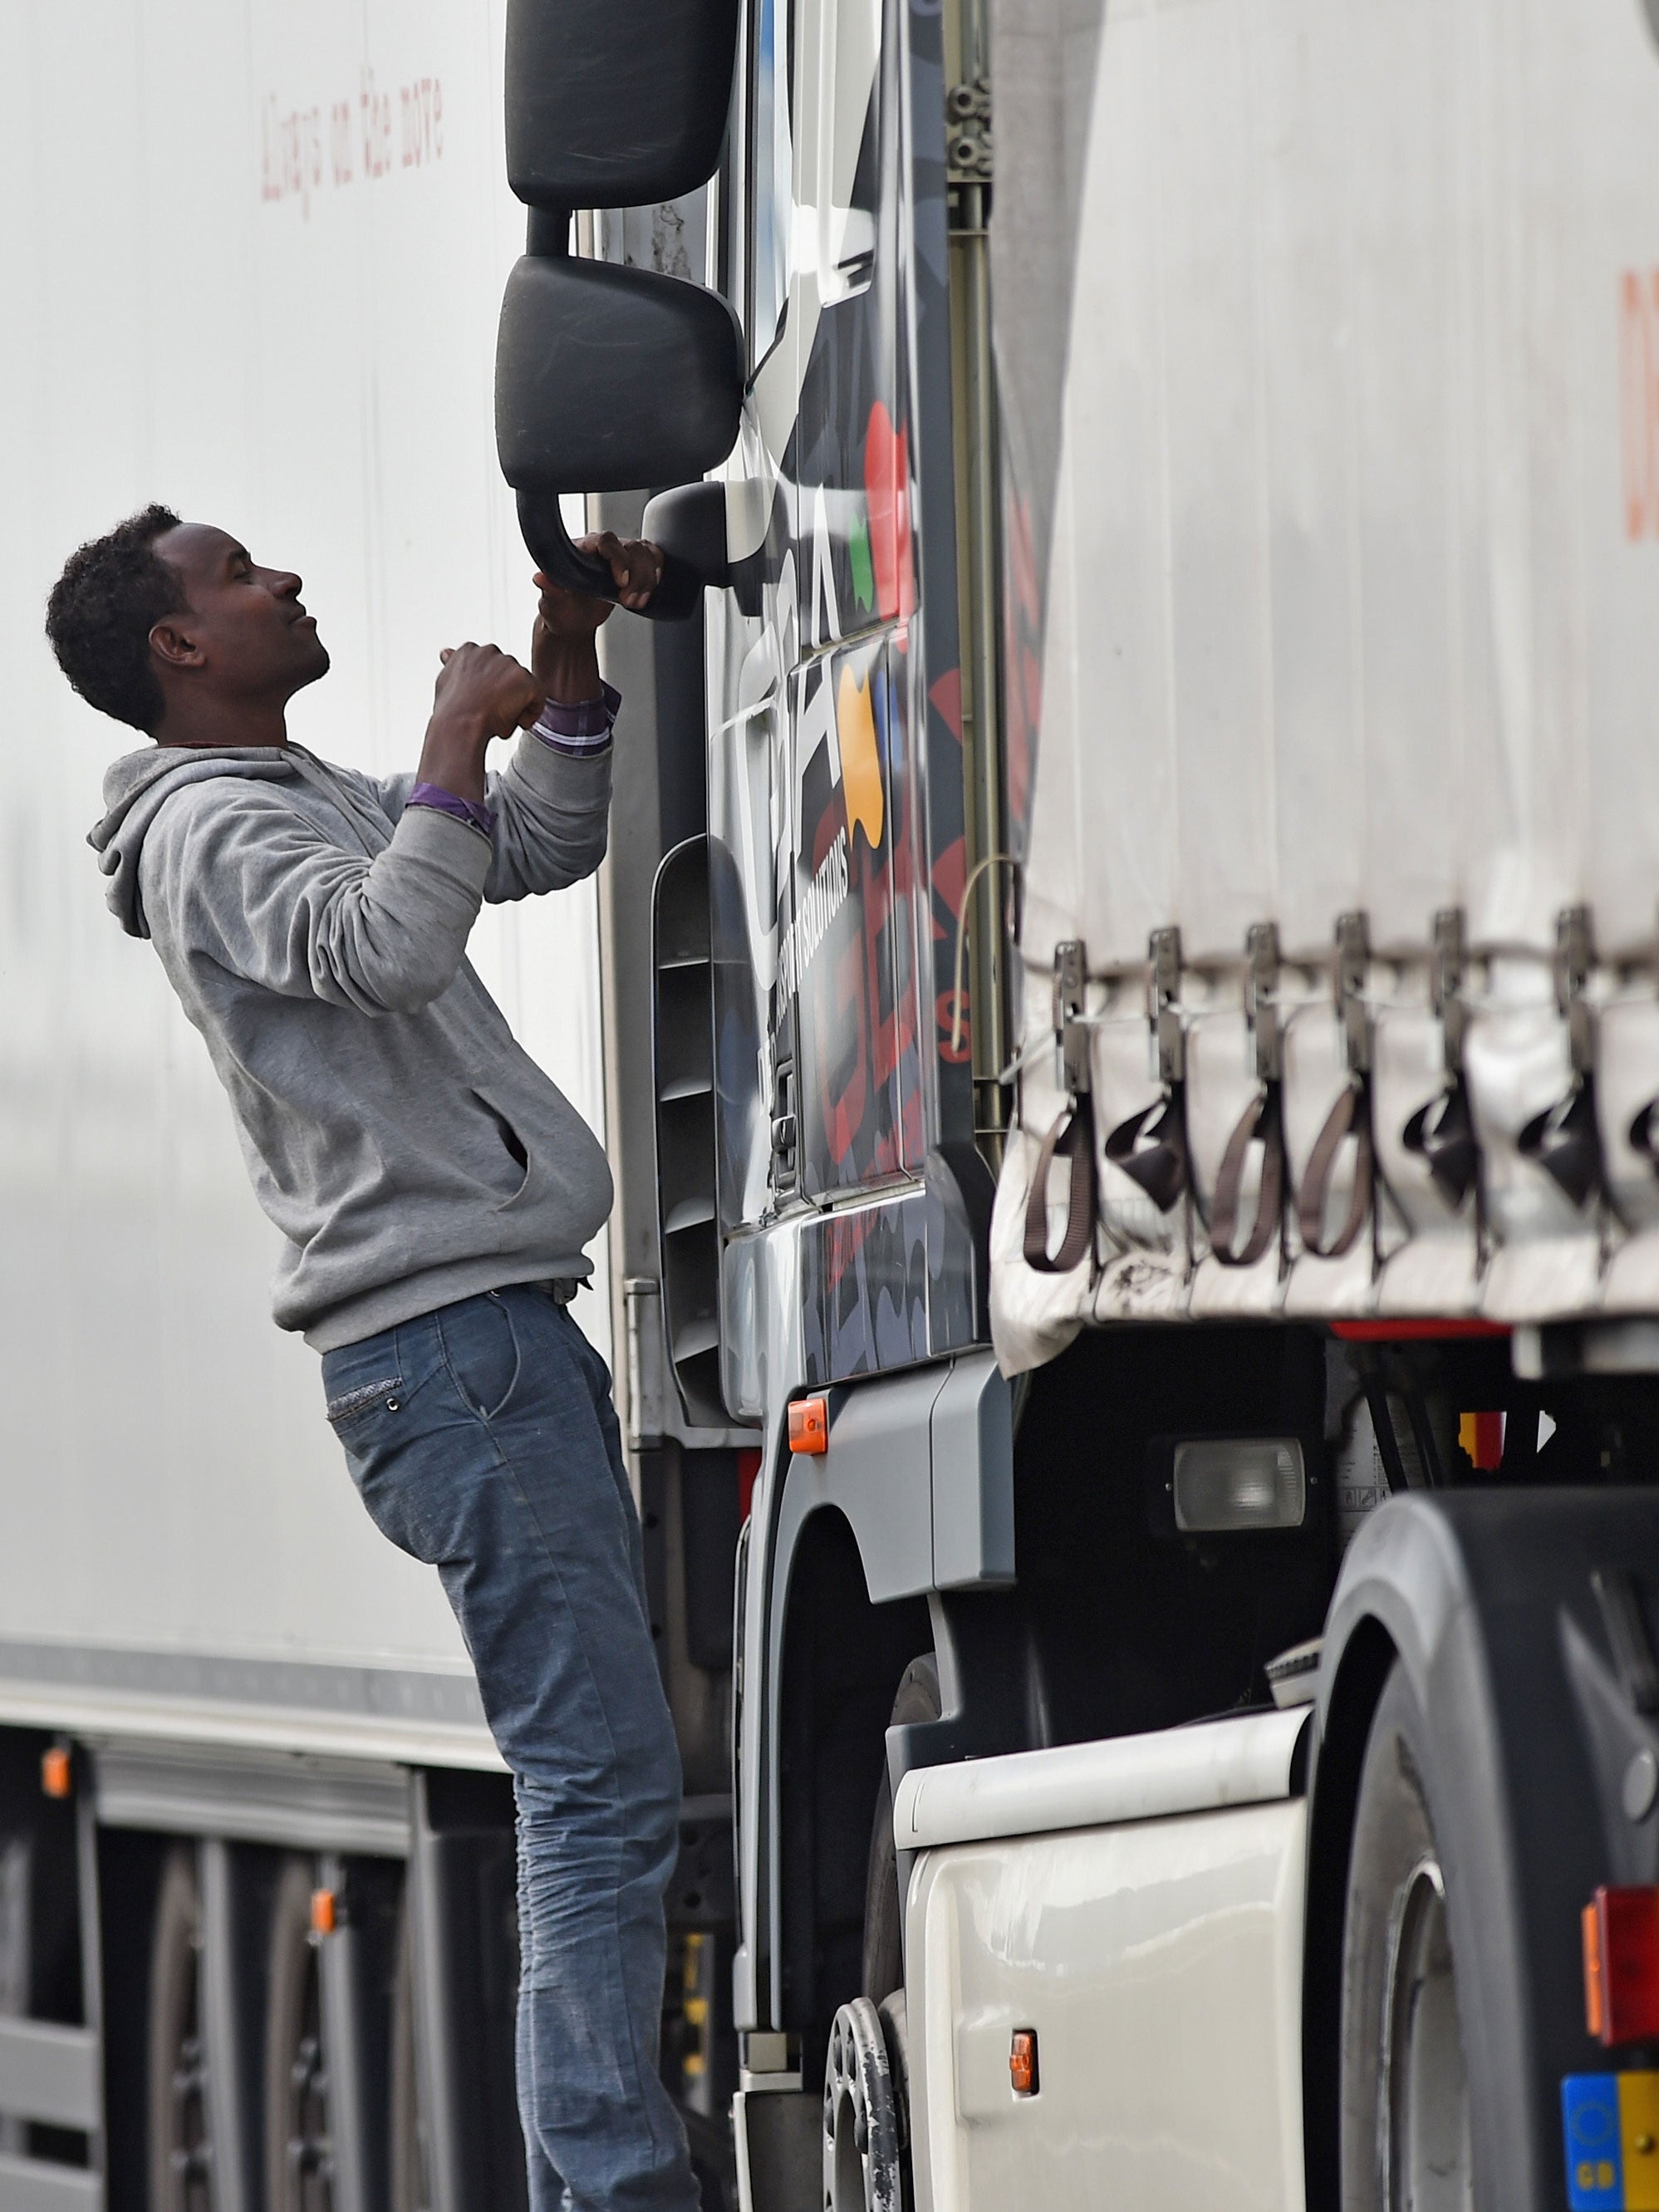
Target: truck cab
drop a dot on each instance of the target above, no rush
(1163, 1215)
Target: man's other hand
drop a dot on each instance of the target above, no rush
(486, 690)
(482, 693)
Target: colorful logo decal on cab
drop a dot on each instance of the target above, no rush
(861, 759)
(887, 488)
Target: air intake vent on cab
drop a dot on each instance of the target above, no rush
(682, 1067)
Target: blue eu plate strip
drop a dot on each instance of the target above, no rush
(1595, 2166)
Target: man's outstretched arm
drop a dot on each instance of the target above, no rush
(258, 888)
(546, 816)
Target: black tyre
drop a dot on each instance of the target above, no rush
(1405, 2097)
(918, 1700)
(867, 2076)
(181, 2156)
(299, 2160)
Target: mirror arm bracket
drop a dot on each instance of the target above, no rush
(547, 233)
(542, 525)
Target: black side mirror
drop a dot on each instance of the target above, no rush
(616, 103)
(688, 523)
(609, 379)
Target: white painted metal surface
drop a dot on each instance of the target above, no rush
(1244, 1761)
(1353, 604)
(1159, 1964)
(251, 264)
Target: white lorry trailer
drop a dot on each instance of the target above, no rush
(1135, 1095)
(254, 267)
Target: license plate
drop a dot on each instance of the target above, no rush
(1611, 2126)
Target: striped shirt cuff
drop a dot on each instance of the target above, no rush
(471, 811)
(583, 728)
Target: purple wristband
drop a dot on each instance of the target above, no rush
(471, 811)
(583, 728)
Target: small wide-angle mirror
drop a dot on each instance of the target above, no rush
(616, 103)
(689, 522)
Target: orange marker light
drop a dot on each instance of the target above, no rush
(325, 1917)
(57, 1771)
(1595, 1992)
(809, 1426)
(1023, 2062)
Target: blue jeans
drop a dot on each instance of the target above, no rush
(483, 1440)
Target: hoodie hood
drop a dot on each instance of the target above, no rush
(137, 787)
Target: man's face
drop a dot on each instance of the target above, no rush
(254, 638)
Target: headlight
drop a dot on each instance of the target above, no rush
(1231, 1483)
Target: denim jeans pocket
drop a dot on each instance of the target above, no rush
(482, 1346)
(352, 1404)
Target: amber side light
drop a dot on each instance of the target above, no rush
(56, 1771)
(1595, 2000)
(809, 1426)
(325, 1916)
(1023, 2062)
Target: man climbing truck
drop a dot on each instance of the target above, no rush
(1123, 1009)
(1176, 908)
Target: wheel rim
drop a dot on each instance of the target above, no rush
(861, 2168)
(1424, 2108)
(847, 2190)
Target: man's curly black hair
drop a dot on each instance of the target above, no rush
(113, 591)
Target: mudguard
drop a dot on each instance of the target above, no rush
(1531, 1693)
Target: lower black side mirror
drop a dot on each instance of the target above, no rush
(610, 379)
(688, 523)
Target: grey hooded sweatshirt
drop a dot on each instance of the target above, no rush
(409, 1151)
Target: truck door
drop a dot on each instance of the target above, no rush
(814, 727)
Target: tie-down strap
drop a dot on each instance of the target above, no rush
(1072, 1137)
(1350, 1116)
(1261, 1122)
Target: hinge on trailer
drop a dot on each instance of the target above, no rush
(1446, 983)
(967, 132)
(1575, 956)
(1353, 956)
(1261, 998)
(1070, 1032)
(1163, 953)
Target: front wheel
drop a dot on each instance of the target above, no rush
(866, 2089)
(917, 1701)
(862, 2139)
(1405, 2093)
